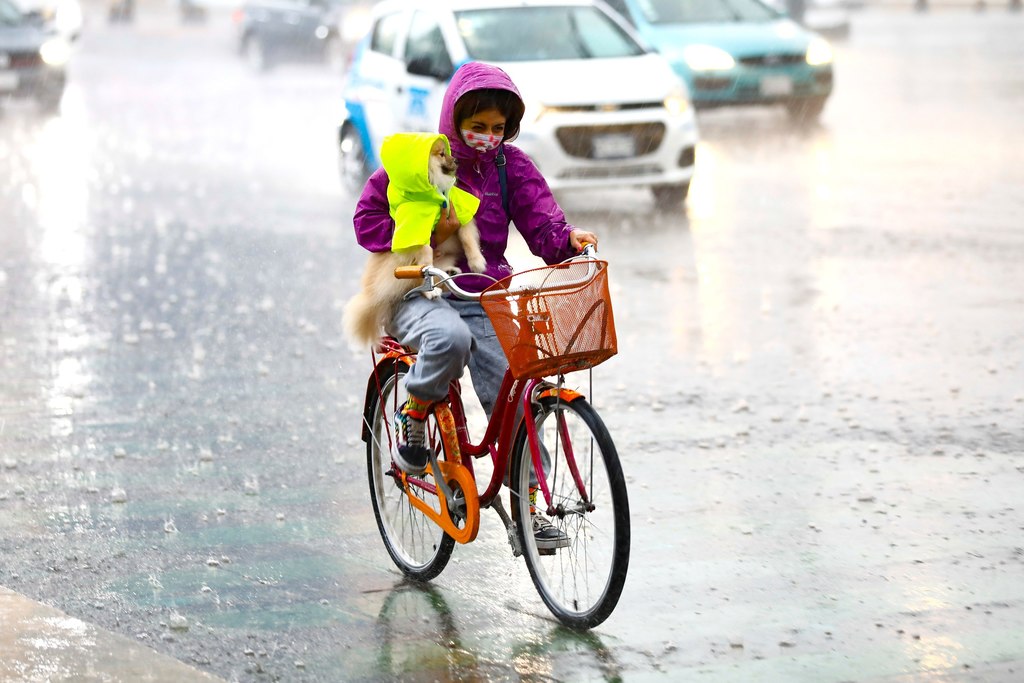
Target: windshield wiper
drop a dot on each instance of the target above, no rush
(577, 39)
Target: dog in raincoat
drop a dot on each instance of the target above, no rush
(421, 182)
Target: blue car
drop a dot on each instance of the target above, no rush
(737, 52)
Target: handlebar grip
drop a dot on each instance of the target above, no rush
(409, 272)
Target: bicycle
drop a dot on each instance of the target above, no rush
(550, 321)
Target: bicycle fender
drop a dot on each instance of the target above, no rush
(567, 395)
(453, 472)
(373, 390)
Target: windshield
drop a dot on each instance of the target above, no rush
(705, 11)
(526, 34)
(9, 14)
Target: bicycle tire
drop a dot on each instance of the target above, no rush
(582, 582)
(418, 547)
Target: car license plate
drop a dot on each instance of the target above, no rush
(773, 86)
(8, 80)
(613, 146)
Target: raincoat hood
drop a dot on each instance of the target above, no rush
(415, 204)
(537, 216)
(470, 76)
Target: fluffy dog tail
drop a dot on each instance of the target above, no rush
(361, 319)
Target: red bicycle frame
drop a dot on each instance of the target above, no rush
(498, 439)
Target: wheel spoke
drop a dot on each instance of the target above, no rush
(419, 547)
(580, 582)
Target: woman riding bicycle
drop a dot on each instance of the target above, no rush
(481, 111)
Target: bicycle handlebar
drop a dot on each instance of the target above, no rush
(409, 272)
(430, 273)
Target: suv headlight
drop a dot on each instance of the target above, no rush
(819, 52)
(55, 52)
(707, 58)
(677, 101)
(534, 110)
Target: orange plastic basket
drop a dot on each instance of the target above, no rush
(553, 320)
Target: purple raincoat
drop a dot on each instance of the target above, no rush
(533, 209)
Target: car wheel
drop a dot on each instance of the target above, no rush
(352, 160)
(256, 54)
(806, 110)
(669, 197)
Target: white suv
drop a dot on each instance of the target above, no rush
(601, 108)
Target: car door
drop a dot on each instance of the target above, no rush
(376, 83)
(428, 68)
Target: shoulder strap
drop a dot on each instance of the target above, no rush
(502, 177)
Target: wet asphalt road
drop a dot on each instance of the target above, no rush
(819, 397)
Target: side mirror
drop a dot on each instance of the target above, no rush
(424, 66)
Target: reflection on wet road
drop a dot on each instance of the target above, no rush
(818, 399)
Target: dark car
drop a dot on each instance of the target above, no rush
(275, 31)
(32, 58)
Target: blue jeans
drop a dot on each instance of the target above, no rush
(449, 334)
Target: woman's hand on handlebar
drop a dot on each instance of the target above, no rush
(579, 238)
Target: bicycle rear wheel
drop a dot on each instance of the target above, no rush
(418, 546)
(581, 582)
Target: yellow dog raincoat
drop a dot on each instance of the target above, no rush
(413, 202)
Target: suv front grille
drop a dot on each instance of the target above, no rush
(611, 172)
(619, 106)
(772, 60)
(578, 141)
(24, 60)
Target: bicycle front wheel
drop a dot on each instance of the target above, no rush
(418, 546)
(581, 579)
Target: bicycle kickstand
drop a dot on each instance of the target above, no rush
(510, 526)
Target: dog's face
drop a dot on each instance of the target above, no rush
(441, 167)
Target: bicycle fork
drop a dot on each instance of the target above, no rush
(564, 439)
(534, 392)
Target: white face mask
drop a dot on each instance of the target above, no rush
(480, 141)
